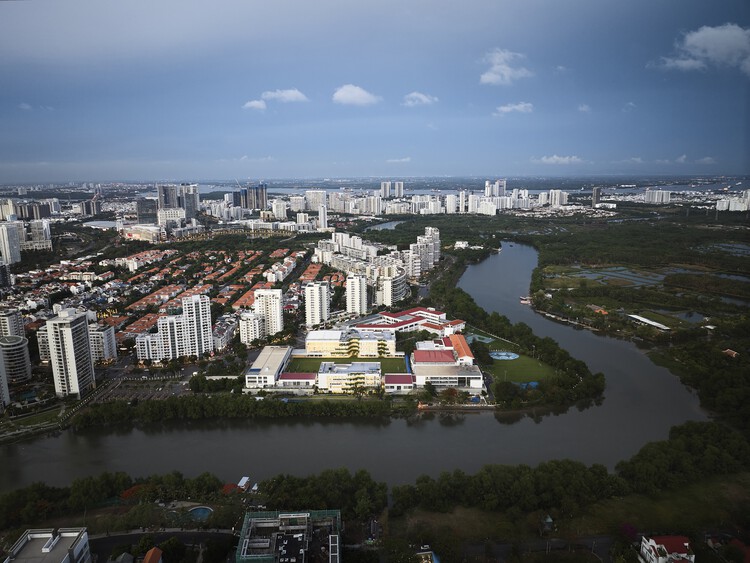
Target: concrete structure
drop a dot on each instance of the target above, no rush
(399, 383)
(266, 369)
(286, 537)
(11, 323)
(373, 343)
(102, 342)
(356, 294)
(270, 305)
(70, 353)
(188, 334)
(297, 380)
(252, 327)
(346, 378)
(62, 545)
(665, 549)
(657, 197)
(15, 365)
(10, 243)
(317, 303)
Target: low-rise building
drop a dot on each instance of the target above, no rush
(346, 378)
(63, 545)
(267, 368)
(369, 343)
(665, 549)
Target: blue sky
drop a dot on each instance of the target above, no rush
(104, 90)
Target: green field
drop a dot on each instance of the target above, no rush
(522, 370)
(312, 365)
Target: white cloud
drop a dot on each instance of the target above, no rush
(399, 160)
(286, 96)
(501, 69)
(520, 107)
(706, 160)
(584, 108)
(681, 159)
(555, 159)
(725, 45)
(255, 104)
(352, 95)
(24, 106)
(560, 69)
(630, 106)
(631, 160)
(418, 99)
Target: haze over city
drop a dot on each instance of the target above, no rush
(137, 91)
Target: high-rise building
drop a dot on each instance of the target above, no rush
(657, 196)
(70, 353)
(189, 200)
(315, 198)
(10, 243)
(11, 323)
(385, 190)
(252, 327)
(596, 196)
(15, 365)
(184, 335)
(102, 342)
(398, 189)
(317, 302)
(196, 314)
(322, 217)
(5, 277)
(558, 198)
(356, 294)
(278, 207)
(269, 303)
(146, 209)
(4, 392)
(168, 196)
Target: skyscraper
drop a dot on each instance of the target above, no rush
(385, 190)
(15, 365)
(317, 303)
(146, 210)
(189, 200)
(11, 323)
(322, 217)
(398, 189)
(167, 196)
(596, 196)
(70, 353)
(196, 314)
(269, 303)
(356, 294)
(10, 243)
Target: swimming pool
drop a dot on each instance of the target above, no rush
(200, 513)
(503, 356)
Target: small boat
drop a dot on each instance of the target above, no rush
(526, 300)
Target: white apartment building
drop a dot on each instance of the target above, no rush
(398, 189)
(385, 190)
(322, 217)
(102, 341)
(659, 197)
(356, 294)
(252, 327)
(70, 353)
(188, 334)
(317, 302)
(11, 323)
(314, 199)
(15, 365)
(52, 545)
(270, 305)
(278, 208)
(170, 217)
(10, 243)
(558, 198)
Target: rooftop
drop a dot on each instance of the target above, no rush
(46, 545)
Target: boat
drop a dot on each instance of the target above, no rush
(525, 300)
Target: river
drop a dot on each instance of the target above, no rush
(642, 401)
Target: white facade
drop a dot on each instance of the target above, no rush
(659, 197)
(11, 323)
(317, 303)
(322, 217)
(61, 545)
(269, 303)
(10, 243)
(70, 353)
(252, 327)
(356, 294)
(102, 341)
(15, 365)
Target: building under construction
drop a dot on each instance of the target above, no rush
(290, 537)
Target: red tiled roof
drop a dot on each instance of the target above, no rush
(461, 346)
(289, 376)
(153, 555)
(673, 544)
(398, 379)
(434, 356)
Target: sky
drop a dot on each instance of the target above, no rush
(100, 90)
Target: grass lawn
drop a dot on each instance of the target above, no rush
(522, 370)
(311, 365)
(49, 416)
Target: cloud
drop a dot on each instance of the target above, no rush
(24, 106)
(555, 159)
(352, 95)
(501, 69)
(584, 108)
(560, 69)
(285, 96)
(725, 45)
(631, 160)
(260, 105)
(706, 160)
(418, 99)
(520, 107)
(398, 160)
(630, 106)
(681, 159)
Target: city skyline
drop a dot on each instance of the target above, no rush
(122, 92)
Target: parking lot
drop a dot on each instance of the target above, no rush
(143, 390)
